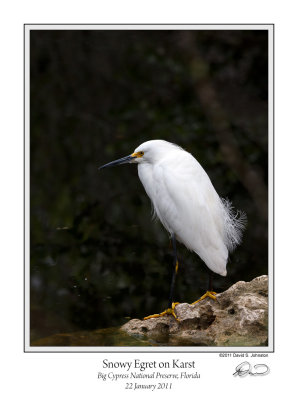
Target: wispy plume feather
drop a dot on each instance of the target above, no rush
(235, 222)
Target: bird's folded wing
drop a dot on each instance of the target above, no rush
(192, 209)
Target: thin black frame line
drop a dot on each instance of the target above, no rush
(149, 24)
(273, 182)
(273, 192)
(147, 352)
(24, 193)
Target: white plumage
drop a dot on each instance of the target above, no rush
(187, 204)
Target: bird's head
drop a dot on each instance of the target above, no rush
(149, 152)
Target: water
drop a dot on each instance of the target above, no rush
(100, 337)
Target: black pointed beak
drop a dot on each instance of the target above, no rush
(122, 160)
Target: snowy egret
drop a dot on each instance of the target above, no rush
(188, 206)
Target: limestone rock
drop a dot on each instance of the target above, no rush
(239, 317)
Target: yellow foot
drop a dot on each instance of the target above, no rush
(168, 311)
(207, 294)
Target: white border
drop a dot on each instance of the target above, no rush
(161, 349)
(271, 188)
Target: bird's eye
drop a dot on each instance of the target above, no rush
(138, 154)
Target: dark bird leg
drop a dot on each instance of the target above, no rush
(209, 292)
(174, 272)
(210, 285)
(171, 306)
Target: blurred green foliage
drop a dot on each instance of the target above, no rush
(96, 256)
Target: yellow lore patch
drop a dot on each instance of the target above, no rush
(139, 154)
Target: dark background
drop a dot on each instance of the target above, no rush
(97, 258)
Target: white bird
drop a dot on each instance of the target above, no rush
(187, 205)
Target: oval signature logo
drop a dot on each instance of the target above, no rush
(245, 369)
